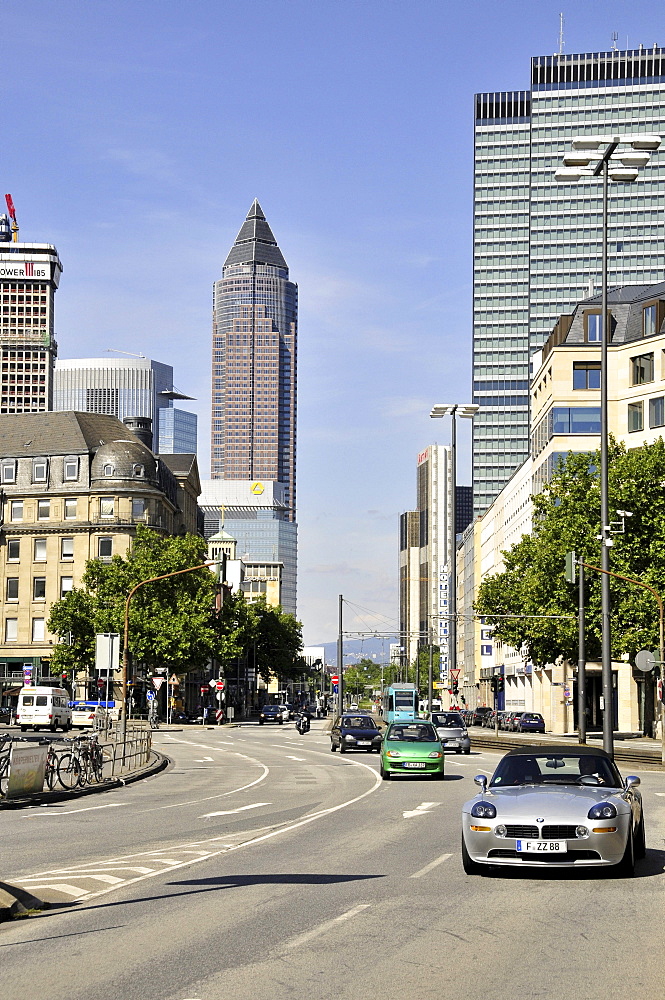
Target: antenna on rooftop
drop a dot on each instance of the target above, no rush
(561, 43)
(615, 39)
(129, 354)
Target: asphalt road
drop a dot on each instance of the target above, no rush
(261, 865)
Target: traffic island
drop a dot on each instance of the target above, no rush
(16, 903)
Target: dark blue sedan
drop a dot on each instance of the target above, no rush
(530, 722)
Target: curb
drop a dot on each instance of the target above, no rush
(24, 902)
(160, 763)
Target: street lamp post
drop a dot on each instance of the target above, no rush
(617, 158)
(454, 410)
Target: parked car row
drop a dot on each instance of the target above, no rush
(509, 721)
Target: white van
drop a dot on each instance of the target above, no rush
(44, 707)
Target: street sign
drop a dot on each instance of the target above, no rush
(150, 696)
(173, 680)
(212, 682)
(660, 689)
(645, 660)
(334, 679)
(219, 714)
(438, 685)
(566, 692)
(335, 688)
(157, 682)
(204, 690)
(220, 685)
(100, 683)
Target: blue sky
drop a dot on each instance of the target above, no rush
(137, 135)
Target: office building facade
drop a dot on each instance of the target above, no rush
(128, 387)
(537, 243)
(254, 362)
(255, 515)
(29, 278)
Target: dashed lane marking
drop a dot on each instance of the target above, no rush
(231, 812)
(431, 865)
(302, 939)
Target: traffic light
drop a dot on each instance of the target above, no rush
(64, 675)
(500, 682)
(494, 682)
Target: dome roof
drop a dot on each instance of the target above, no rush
(125, 461)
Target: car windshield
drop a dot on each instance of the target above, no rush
(532, 717)
(271, 709)
(357, 722)
(447, 719)
(413, 734)
(555, 769)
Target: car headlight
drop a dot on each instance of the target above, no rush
(436, 753)
(393, 753)
(349, 738)
(483, 810)
(603, 810)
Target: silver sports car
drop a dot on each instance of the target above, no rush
(555, 806)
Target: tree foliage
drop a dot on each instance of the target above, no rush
(172, 622)
(566, 517)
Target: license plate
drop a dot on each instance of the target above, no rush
(412, 763)
(364, 743)
(451, 743)
(542, 846)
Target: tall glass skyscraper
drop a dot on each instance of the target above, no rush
(538, 243)
(254, 362)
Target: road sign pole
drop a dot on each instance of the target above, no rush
(581, 663)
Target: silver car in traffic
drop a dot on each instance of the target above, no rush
(555, 806)
(451, 730)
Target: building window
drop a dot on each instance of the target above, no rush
(586, 375)
(40, 550)
(635, 416)
(138, 509)
(67, 548)
(66, 585)
(70, 510)
(43, 510)
(11, 629)
(13, 550)
(39, 588)
(71, 470)
(641, 369)
(574, 420)
(16, 510)
(139, 471)
(108, 469)
(38, 632)
(9, 470)
(12, 588)
(105, 548)
(657, 412)
(39, 470)
(649, 316)
(106, 506)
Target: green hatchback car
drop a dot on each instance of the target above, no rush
(411, 748)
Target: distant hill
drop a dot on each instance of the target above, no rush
(358, 649)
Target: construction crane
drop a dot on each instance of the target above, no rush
(12, 216)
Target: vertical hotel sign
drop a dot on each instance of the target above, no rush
(444, 623)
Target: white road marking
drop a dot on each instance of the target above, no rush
(322, 928)
(230, 812)
(202, 760)
(69, 890)
(432, 864)
(290, 757)
(72, 812)
(420, 810)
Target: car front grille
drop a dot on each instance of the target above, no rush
(522, 832)
(559, 833)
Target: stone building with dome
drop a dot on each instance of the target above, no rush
(73, 487)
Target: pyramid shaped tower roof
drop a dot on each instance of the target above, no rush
(255, 243)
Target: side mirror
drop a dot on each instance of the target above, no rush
(481, 779)
(631, 781)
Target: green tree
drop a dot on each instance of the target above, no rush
(171, 621)
(276, 641)
(567, 517)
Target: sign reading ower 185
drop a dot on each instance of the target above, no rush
(24, 269)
